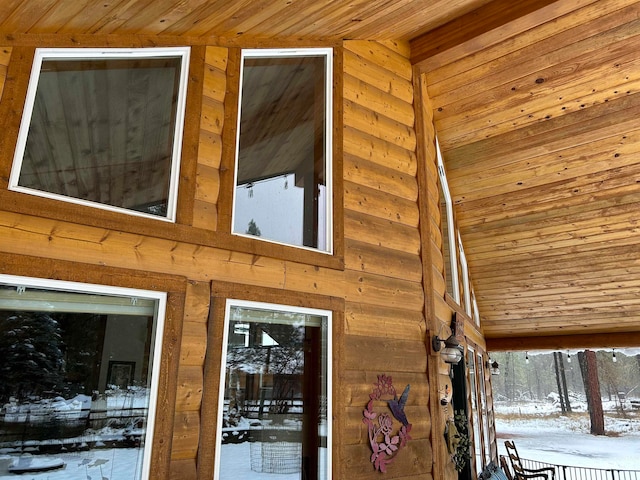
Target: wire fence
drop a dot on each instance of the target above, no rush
(566, 472)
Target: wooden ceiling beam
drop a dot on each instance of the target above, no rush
(564, 342)
(467, 27)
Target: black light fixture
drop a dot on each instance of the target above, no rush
(615, 359)
(526, 358)
(451, 352)
(493, 366)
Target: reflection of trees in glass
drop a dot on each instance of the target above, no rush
(30, 347)
(275, 351)
(253, 229)
(83, 335)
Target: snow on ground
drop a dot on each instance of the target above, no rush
(107, 464)
(541, 433)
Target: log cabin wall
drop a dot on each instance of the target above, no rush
(440, 306)
(375, 283)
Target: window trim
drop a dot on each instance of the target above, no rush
(465, 277)
(328, 141)
(42, 54)
(453, 250)
(234, 302)
(155, 352)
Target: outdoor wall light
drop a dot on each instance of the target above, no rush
(451, 352)
(614, 358)
(494, 368)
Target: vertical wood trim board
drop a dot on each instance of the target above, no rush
(5, 56)
(205, 214)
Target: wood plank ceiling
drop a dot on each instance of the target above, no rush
(536, 105)
(538, 124)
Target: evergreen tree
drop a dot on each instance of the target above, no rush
(253, 229)
(32, 358)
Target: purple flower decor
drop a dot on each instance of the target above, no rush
(384, 444)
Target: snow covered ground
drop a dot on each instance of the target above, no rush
(107, 464)
(541, 433)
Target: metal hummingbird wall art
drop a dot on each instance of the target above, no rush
(384, 443)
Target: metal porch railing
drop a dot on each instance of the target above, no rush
(565, 472)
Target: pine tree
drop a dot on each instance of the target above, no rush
(32, 358)
(253, 229)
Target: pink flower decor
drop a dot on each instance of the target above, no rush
(384, 444)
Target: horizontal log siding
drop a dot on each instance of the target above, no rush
(385, 326)
(382, 329)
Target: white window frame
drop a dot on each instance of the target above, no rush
(453, 254)
(328, 134)
(230, 303)
(42, 54)
(155, 354)
(465, 277)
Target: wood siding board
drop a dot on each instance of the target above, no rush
(382, 56)
(367, 200)
(362, 93)
(362, 319)
(227, 164)
(5, 56)
(183, 470)
(371, 175)
(380, 126)
(377, 76)
(13, 97)
(192, 351)
(166, 401)
(367, 228)
(189, 388)
(367, 147)
(368, 258)
(185, 435)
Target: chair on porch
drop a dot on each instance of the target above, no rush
(522, 473)
(505, 467)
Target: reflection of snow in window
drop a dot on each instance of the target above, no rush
(283, 152)
(78, 383)
(275, 401)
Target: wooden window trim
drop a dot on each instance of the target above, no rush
(220, 292)
(174, 286)
(12, 101)
(225, 203)
(71, 55)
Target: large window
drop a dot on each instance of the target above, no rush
(103, 127)
(283, 159)
(78, 379)
(275, 410)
